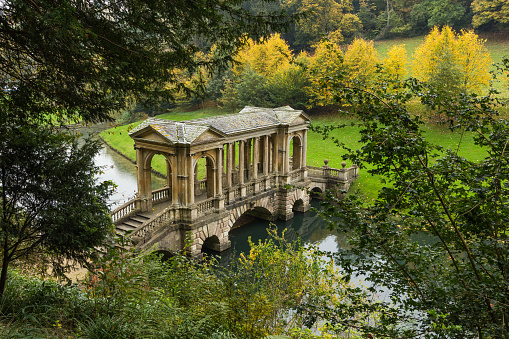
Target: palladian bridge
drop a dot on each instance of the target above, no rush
(217, 170)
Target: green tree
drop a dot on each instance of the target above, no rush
(455, 283)
(323, 17)
(51, 205)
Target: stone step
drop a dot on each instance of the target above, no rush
(133, 223)
(125, 227)
(139, 218)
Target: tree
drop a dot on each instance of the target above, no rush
(454, 62)
(455, 282)
(361, 59)
(81, 58)
(490, 12)
(265, 57)
(51, 205)
(327, 61)
(323, 18)
(395, 62)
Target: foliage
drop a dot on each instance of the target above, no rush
(327, 60)
(131, 295)
(83, 59)
(395, 62)
(456, 63)
(265, 58)
(287, 86)
(360, 60)
(51, 204)
(490, 12)
(323, 17)
(453, 282)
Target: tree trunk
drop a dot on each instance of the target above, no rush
(5, 266)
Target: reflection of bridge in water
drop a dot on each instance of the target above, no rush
(253, 163)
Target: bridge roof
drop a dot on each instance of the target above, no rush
(248, 119)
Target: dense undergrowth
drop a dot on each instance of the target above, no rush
(141, 296)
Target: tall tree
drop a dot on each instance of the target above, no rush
(51, 205)
(360, 61)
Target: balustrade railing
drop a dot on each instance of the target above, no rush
(149, 225)
(205, 206)
(125, 210)
(160, 194)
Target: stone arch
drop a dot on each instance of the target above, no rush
(298, 206)
(295, 142)
(209, 184)
(211, 243)
(316, 193)
(262, 209)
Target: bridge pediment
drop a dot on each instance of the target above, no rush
(301, 119)
(208, 136)
(152, 135)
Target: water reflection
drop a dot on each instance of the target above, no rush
(311, 230)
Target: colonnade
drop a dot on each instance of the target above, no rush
(229, 163)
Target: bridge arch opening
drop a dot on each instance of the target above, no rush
(316, 193)
(296, 152)
(252, 215)
(211, 244)
(298, 206)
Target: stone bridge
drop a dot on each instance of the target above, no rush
(218, 170)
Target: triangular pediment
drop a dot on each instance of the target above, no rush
(151, 134)
(301, 119)
(207, 136)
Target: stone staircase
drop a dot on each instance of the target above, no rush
(132, 223)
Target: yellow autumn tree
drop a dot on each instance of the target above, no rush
(265, 57)
(326, 61)
(395, 62)
(455, 62)
(361, 59)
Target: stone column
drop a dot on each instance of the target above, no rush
(275, 153)
(241, 161)
(256, 156)
(266, 152)
(247, 162)
(286, 154)
(219, 171)
(190, 178)
(304, 149)
(229, 163)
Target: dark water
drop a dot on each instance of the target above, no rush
(307, 226)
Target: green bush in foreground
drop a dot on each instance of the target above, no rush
(139, 296)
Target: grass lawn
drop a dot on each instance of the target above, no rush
(318, 149)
